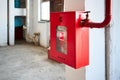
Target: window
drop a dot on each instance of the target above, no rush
(20, 3)
(43, 10)
(47, 6)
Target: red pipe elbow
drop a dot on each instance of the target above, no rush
(99, 25)
(106, 20)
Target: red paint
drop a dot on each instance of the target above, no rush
(74, 41)
(106, 20)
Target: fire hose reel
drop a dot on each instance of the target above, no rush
(69, 41)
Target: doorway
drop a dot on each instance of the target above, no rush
(20, 21)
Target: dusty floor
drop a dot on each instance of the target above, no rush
(28, 62)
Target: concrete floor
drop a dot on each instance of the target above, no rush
(28, 62)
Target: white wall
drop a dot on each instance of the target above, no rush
(74, 5)
(115, 41)
(42, 27)
(29, 16)
(3, 22)
(96, 69)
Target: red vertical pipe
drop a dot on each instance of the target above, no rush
(106, 20)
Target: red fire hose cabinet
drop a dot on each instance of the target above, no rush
(69, 41)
